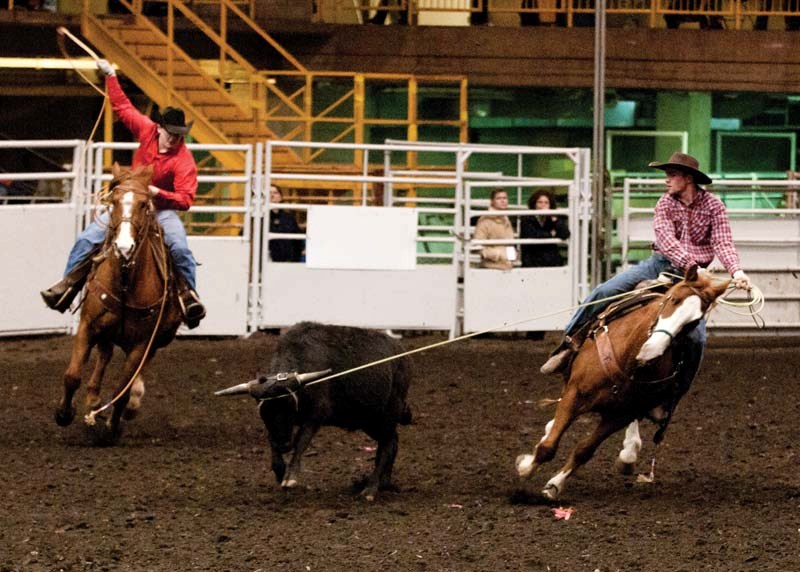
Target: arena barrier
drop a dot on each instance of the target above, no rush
(398, 255)
(765, 230)
(443, 290)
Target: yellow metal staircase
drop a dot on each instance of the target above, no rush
(231, 101)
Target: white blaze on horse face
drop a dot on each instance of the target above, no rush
(689, 310)
(125, 241)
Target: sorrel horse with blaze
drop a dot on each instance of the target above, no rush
(129, 302)
(627, 369)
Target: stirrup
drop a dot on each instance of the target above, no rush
(192, 309)
(60, 295)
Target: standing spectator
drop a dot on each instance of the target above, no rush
(283, 249)
(496, 227)
(542, 226)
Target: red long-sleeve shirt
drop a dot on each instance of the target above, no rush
(174, 172)
(692, 234)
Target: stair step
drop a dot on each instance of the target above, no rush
(217, 113)
(204, 96)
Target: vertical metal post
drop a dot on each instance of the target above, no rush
(256, 213)
(598, 137)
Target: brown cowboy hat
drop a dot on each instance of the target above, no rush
(173, 121)
(685, 163)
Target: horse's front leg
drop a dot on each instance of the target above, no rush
(133, 361)
(105, 350)
(566, 412)
(631, 445)
(81, 347)
(583, 451)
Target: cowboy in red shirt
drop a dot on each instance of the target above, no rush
(172, 189)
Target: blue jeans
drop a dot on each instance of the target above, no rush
(625, 282)
(174, 237)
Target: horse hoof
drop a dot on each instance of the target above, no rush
(64, 418)
(525, 465)
(624, 468)
(130, 414)
(550, 491)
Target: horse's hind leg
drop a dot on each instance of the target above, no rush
(104, 352)
(566, 412)
(581, 454)
(631, 445)
(81, 347)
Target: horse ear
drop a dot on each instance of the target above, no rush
(115, 170)
(148, 170)
(691, 274)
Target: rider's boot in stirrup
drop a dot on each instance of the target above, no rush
(191, 308)
(60, 295)
(560, 357)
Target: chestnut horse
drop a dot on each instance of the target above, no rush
(129, 301)
(628, 368)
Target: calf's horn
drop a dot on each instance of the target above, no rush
(240, 388)
(311, 376)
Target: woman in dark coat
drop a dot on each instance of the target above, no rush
(282, 249)
(548, 226)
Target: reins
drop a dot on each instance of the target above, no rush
(89, 419)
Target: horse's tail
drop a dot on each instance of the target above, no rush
(544, 403)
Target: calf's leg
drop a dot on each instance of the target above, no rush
(381, 477)
(303, 439)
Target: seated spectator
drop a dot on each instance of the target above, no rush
(399, 17)
(283, 250)
(481, 17)
(544, 226)
(545, 18)
(496, 227)
(705, 22)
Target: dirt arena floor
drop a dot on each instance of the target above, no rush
(189, 486)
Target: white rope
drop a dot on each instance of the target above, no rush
(467, 336)
(758, 298)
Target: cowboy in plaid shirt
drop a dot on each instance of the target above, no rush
(691, 227)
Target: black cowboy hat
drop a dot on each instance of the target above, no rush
(173, 121)
(686, 164)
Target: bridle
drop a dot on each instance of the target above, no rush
(141, 229)
(670, 296)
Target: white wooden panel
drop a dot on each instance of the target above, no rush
(424, 298)
(222, 282)
(361, 238)
(36, 240)
(493, 298)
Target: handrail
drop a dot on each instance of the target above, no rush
(732, 13)
(283, 103)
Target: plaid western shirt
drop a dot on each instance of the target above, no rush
(692, 234)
